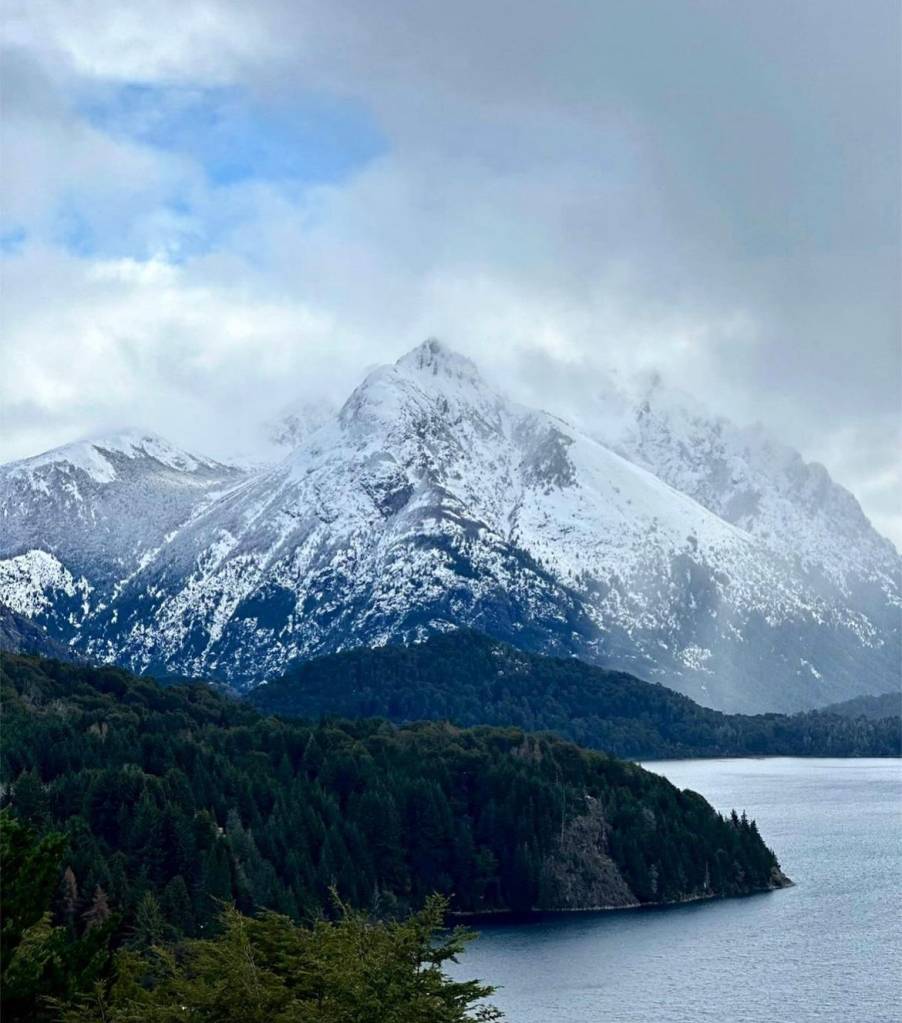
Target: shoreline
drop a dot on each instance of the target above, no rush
(758, 756)
(534, 913)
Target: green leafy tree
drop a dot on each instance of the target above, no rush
(29, 878)
(266, 969)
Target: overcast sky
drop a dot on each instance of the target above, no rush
(211, 208)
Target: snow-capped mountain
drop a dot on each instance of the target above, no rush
(77, 521)
(430, 501)
(744, 476)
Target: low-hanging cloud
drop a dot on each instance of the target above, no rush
(704, 189)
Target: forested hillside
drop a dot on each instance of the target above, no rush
(469, 679)
(57, 968)
(173, 800)
(876, 708)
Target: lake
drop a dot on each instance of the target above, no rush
(829, 949)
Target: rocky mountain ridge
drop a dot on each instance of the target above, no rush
(674, 549)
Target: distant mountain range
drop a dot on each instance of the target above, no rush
(650, 538)
(469, 679)
(872, 708)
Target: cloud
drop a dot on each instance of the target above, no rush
(150, 41)
(221, 205)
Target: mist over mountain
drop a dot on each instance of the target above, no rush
(649, 537)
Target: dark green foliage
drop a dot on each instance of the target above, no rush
(175, 801)
(252, 969)
(268, 968)
(41, 959)
(469, 679)
(31, 869)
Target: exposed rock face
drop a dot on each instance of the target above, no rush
(581, 875)
(19, 635)
(746, 580)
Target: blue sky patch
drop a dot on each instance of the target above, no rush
(74, 230)
(12, 239)
(235, 137)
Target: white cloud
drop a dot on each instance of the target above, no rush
(562, 185)
(147, 41)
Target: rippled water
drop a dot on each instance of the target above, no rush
(829, 949)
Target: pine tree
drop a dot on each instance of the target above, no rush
(99, 911)
(28, 879)
(150, 928)
(258, 970)
(29, 798)
(38, 960)
(69, 897)
(175, 904)
(217, 875)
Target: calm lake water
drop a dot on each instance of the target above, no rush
(829, 949)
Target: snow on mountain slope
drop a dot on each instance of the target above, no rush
(745, 477)
(430, 502)
(98, 457)
(95, 511)
(36, 582)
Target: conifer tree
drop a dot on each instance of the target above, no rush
(150, 928)
(175, 905)
(38, 960)
(69, 897)
(99, 911)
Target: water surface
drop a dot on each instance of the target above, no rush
(829, 949)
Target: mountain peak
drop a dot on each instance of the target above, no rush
(92, 454)
(435, 358)
(430, 370)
